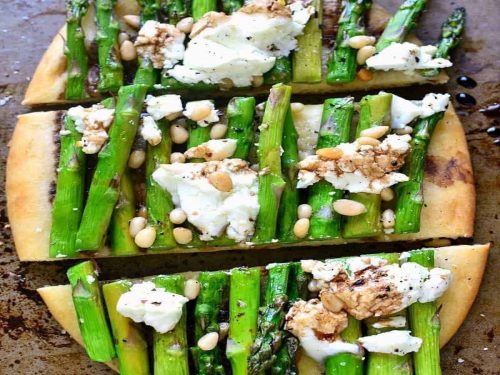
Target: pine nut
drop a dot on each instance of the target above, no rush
(177, 157)
(368, 141)
(122, 37)
(136, 159)
(218, 131)
(142, 212)
(191, 289)
(364, 75)
(388, 219)
(313, 286)
(332, 153)
(301, 228)
(257, 81)
(208, 341)
(304, 211)
(178, 134)
(185, 25)
(223, 330)
(132, 20)
(177, 216)
(405, 130)
(360, 41)
(137, 224)
(183, 236)
(387, 194)
(226, 84)
(364, 53)
(297, 107)
(349, 207)
(307, 265)
(127, 51)
(221, 181)
(375, 131)
(145, 237)
(200, 113)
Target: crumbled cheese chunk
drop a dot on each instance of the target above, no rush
(364, 169)
(307, 122)
(405, 111)
(161, 43)
(164, 106)
(392, 342)
(242, 45)
(393, 322)
(210, 210)
(150, 131)
(215, 149)
(193, 107)
(406, 57)
(154, 306)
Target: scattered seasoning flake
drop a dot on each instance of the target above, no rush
(485, 349)
(460, 360)
(4, 100)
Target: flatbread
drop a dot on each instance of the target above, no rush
(467, 264)
(49, 80)
(31, 171)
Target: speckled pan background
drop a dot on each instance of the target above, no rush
(31, 342)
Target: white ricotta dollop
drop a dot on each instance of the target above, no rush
(212, 116)
(392, 342)
(150, 131)
(207, 208)
(319, 350)
(406, 57)
(164, 106)
(307, 122)
(154, 306)
(215, 149)
(405, 111)
(240, 46)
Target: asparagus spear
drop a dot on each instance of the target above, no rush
(335, 128)
(244, 297)
(110, 66)
(281, 72)
(149, 9)
(409, 199)
(401, 23)
(177, 10)
(306, 60)
(112, 160)
(206, 314)
(170, 349)
(90, 312)
(200, 7)
(240, 112)
(158, 201)
(424, 323)
(76, 54)
(375, 111)
(271, 320)
(346, 363)
(451, 32)
(271, 183)
(171, 84)
(230, 6)
(130, 342)
(68, 201)
(287, 213)
(122, 243)
(342, 64)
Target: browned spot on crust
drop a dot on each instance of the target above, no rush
(444, 172)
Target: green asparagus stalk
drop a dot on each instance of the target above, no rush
(110, 66)
(409, 197)
(230, 6)
(201, 7)
(130, 342)
(342, 64)
(287, 214)
(375, 111)
(197, 135)
(89, 308)
(297, 285)
(244, 298)
(335, 128)
(240, 112)
(271, 319)
(271, 183)
(149, 9)
(177, 10)
(306, 60)
(208, 306)
(451, 33)
(401, 23)
(122, 243)
(68, 202)
(347, 363)
(76, 54)
(112, 160)
(281, 72)
(158, 201)
(170, 349)
(424, 323)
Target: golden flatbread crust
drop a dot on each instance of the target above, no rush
(467, 264)
(49, 81)
(448, 188)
